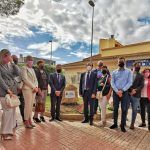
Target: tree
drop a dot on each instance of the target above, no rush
(10, 7)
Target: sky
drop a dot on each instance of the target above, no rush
(67, 23)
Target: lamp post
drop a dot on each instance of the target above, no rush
(51, 52)
(91, 3)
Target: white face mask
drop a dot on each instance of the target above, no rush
(89, 68)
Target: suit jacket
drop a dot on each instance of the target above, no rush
(93, 83)
(57, 85)
(29, 78)
(40, 80)
(138, 84)
(7, 79)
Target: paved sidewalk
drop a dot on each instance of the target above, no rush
(68, 135)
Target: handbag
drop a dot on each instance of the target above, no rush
(39, 106)
(12, 101)
(99, 93)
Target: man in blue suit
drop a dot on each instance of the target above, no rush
(57, 83)
(87, 90)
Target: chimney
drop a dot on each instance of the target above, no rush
(112, 36)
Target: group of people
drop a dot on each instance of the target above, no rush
(30, 84)
(128, 87)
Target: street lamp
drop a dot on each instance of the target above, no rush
(51, 51)
(91, 3)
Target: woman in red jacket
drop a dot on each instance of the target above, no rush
(145, 98)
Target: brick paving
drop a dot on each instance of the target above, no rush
(69, 135)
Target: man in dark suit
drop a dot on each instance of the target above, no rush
(87, 89)
(57, 84)
(135, 92)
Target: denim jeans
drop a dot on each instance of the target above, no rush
(124, 107)
(135, 104)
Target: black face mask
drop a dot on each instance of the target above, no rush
(41, 67)
(15, 62)
(104, 72)
(121, 64)
(100, 65)
(58, 70)
(137, 69)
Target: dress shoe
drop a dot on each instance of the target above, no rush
(142, 125)
(42, 119)
(58, 119)
(6, 137)
(85, 121)
(52, 119)
(28, 127)
(103, 124)
(123, 129)
(132, 127)
(113, 126)
(148, 128)
(36, 120)
(32, 125)
(91, 123)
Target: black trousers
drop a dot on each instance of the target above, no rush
(95, 106)
(21, 106)
(88, 101)
(55, 106)
(145, 104)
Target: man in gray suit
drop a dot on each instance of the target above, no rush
(57, 83)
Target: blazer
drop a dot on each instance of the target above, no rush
(93, 83)
(57, 85)
(29, 78)
(138, 84)
(7, 79)
(40, 80)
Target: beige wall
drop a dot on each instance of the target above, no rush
(127, 50)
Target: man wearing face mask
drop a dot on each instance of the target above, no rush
(87, 90)
(98, 71)
(135, 91)
(57, 84)
(43, 79)
(122, 79)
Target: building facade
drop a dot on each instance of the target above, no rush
(109, 52)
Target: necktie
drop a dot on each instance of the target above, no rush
(58, 77)
(88, 80)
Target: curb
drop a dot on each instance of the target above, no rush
(78, 117)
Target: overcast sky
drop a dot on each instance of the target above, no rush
(68, 24)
